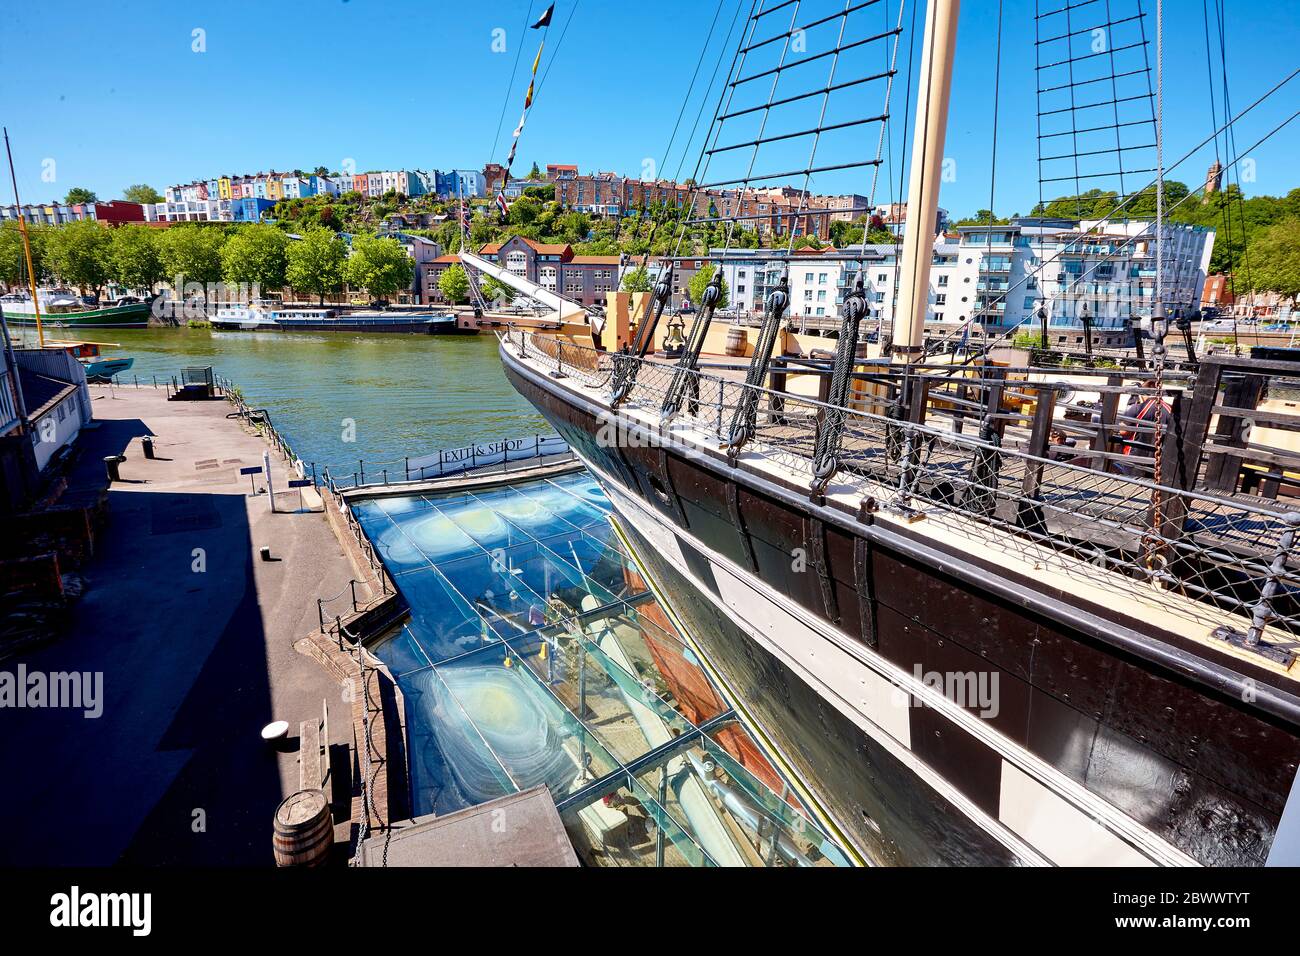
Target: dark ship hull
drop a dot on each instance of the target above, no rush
(1108, 739)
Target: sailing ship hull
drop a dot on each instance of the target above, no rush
(1093, 749)
(134, 316)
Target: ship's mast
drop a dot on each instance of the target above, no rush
(27, 246)
(939, 46)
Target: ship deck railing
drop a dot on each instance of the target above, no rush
(1051, 464)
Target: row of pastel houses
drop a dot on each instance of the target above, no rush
(275, 186)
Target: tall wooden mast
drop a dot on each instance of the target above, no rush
(938, 47)
(27, 246)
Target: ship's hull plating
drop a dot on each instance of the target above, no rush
(1096, 752)
(123, 317)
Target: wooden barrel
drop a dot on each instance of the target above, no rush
(304, 831)
(736, 340)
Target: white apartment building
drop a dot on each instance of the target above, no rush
(198, 210)
(998, 276)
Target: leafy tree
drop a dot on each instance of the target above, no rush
(192, 253)
(78, 194)
(316, 262)
(1275, 259)
(984, 217)
(380, 266)
(535, 173)
(78, 254)
(255, 254)
(136, 262)
(13, 262)
(700, 280)
(142, 194)
(454, 284)
(493, 289)
(637, 280)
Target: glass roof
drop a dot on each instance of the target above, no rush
(534, 653)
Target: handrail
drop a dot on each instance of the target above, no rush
(1033, 492)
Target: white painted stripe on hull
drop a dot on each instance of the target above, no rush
(872, 692)
(1052, 824)
(649, 525)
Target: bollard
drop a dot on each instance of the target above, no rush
(265, 553)
(147, 444)
(111, 465)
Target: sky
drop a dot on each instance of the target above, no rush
(103, 95)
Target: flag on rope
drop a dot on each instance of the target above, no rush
(542, 23)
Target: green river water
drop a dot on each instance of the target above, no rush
(406, 394)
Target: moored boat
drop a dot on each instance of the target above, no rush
(332, 320)
(60, 309)
(249, 318)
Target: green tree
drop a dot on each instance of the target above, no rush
(192, 253)
(255, 254)
(535, 173)
(636, 280)
(78, 254)
(493, 290)
(700, 280)
(454, 284)
(380, 266)
(142, 194)
(316, 262)
(135, 257)
(1275, 259)
(13, 263)
(78, 194)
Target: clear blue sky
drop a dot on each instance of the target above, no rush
(114, 94)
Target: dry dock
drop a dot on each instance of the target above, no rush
(194, 637)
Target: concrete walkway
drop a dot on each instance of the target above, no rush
(194, 638)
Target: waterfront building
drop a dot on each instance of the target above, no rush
(223, 188)
(250, 209)
(557, 171)
(494, 177)
(114, 212)
(999, 276)
(471, 183)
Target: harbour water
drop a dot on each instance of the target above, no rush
(403, 394)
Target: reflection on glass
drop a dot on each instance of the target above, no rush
(535, 654)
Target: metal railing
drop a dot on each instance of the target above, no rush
(330, 611)
(985, 454)
(498, 456)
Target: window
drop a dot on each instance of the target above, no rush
(821, 295)
(807, 277)
(882, 277)
(821, 278)
(807, 294)
(941, 299)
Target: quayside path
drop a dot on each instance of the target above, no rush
(194, 637)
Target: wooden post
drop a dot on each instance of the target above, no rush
(1222, 472)
(1109, 412)
(1030, 515)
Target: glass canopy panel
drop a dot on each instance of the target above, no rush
(400, 651)
(452, 767)
(534, 653)
(626, 828)
(442, 622)
(532, 736)
(435, 535)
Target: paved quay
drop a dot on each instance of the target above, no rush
(194, 637)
